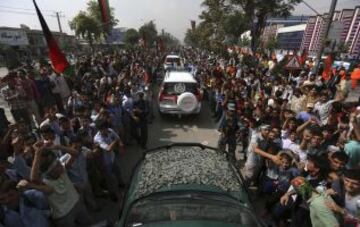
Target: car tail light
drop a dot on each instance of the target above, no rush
(198, 95)
(163, 96)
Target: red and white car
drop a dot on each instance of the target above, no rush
(180, 94)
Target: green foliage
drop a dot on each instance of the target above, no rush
(191, 38)
(149, 32)
(279, 68)
(169, 40)
(249, 61)
(244, 41)
(272, 43)
(234, 26)
(257, 11)
(88, 25)
(94, 11)
(132, 37)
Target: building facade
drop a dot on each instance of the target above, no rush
(290, 38)
(33, 41)
(345, 31)
(273, 24)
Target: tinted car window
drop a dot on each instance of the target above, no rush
(172, 60)
(169, 88)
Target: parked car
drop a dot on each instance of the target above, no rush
(179, 93)
(187, 185)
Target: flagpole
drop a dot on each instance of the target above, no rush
(327, 29)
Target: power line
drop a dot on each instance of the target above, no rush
(8, 7)
(23, 13)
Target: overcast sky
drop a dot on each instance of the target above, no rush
(172, 15)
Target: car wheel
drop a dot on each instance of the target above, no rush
(187, 102)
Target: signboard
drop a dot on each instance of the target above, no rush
(293, 63)
(13, 37)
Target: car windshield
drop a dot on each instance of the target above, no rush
(172, 61)
(190, 208)
(179, 88)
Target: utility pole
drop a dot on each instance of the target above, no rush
(327, 29)
(58, 19)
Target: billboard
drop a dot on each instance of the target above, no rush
(13, 37)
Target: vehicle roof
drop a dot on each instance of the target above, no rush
(172, 56)
(179, 76)
(176, 168)
(179, 168)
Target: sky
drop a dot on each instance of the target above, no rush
(171, 15)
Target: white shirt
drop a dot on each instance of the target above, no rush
(295, 148)
(323, 110)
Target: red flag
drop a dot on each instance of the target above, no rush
(327, 69)
(57, 58)
(303, 57)
(105, 13)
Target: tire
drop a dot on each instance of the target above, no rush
(187, 102)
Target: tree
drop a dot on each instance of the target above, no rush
(132, 37)
(244, 41)
(93, 10)
(148, 33)
(258, 11)
(168, 40)
(191, 38)
(211, 29)
(272, 43)
(234, 26)
(343, 48)
(221, 24)
(86, 27)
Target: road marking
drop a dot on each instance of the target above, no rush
(205, 142)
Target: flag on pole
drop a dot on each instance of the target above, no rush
(105, 13)
(56, 56)
(327, 67)
(303, 57)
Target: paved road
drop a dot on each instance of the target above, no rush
(168, 129)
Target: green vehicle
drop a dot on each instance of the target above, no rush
(187, 185)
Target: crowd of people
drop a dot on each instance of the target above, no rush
(293, 135)
(298, 140)
(63, 149)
